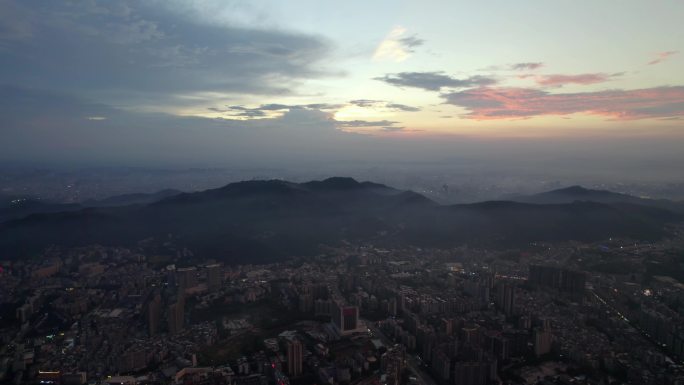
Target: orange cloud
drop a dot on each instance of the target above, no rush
(486, 103)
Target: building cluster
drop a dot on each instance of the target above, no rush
(354, 314)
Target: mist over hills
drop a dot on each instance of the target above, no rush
(15, 207)
(272, 219)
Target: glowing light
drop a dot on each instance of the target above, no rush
(391, 48)
(356, 112)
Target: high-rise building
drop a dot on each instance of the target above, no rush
(479, 290)
(295, 357)
(345, 318)
(496, 344)
(393, 363)
(322, 308)
(574, 281)
(505, 298)
(559, 278)
(214, 276)
(470, 334)
(306, 303)
(524, 323)
(74, 378)
(392, 306)
(186, 277)
(23, 312)
(412, 322)
(176, 315)
(154, 307)
(517, 342)
(319, 291)
(474, 372)
(441, 366)
(542, 341)
(448, 326)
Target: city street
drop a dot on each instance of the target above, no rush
(411, 361)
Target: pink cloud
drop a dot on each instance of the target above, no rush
(487, 103)
(662, 56)
(560, 80)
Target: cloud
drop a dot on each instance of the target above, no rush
(559, 80)
(411, 42)
(399, 129)
(433, 81)
(393, 128)
(275, 107)
(322, 106)
(269, 110)
(367, 103)
(47, 128)
(509, 103)
(130, 52)
(662, 56)
(50, 127)
(402, 107)
(397, 47)
(365, 123)
(243, 112)
(529, 66)
(250, 113)
(273, 110)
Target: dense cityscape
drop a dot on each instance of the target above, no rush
(352, 315)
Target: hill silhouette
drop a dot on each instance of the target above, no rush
(273, 219)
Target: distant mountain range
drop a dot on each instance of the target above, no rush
(581, 194)
(267, 220)
(15, 207)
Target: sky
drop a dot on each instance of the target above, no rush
(274, 82)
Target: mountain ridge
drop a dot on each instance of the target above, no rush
(275, 219)
(579, 193)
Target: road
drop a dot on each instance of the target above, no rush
(411, 361)
(643, 333)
